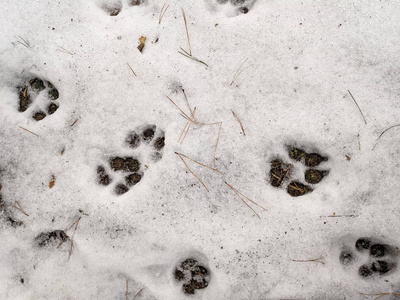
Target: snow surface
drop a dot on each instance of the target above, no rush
(304, 56)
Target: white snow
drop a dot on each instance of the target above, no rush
(302, 59)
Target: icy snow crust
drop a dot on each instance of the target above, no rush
(304, 58)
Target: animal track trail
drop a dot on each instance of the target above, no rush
(126, 171)
(38, 98)
(114, 7)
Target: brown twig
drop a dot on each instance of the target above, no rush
(340, 216)
(65, 50)
(216, 145)
(131, 69)
(359, 142)
(76, 120)
(126, 293)
(240, 123)
(383, 133)
(239, 71)
(28, 131)
(162, 12)
(192, 172)
(20, 208)
(138, 293)
(240, 195)
(180, 154)
(317, 260)
(380, 295)
(365, 121)
(187, 31)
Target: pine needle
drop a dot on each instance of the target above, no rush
(192, 172)
(187, 101)
(365, 121)
(216, 145)
(131, 69)
(240, 123)
(180, 154)
(239, 71)
(28, 131)
(138, 293)
(162, 13)
(76, 120)
(318, 260)
(383, 133)
(65, 50)
(240, 195)
(126, 293)
(187, 32)
(20, 208)
(188, 124)
(192, 57)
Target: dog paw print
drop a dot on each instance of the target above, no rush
(113, 8)
(281, 172)
(379, 258)
(52, 238)
(128, 170)
(39, 98)
(192, 275)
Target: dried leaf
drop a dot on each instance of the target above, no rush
(142, 41)
(62, 151)
(52, 181)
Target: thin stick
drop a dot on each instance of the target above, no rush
(383, 133)
(187, 31)
(192, 57)
(216, 145)
(162, 13)
(65, 51)
(25, 42)
(76, 120)
(138, 293)
(187, 101)
(240, 123)
(193, 173)
(340, 216)
(236, 192)
(126, 290)
(131, 69)
(365, 121)
(184, 114)
(190, 123)
(72, 237)
(20, 208)
(359, 143)
(28, 131)
(238, 72)
(184, 128)
(180, 154)
(249, 199)
(309, 260)
(380, 295)
(77, 221)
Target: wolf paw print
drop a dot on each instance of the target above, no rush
(193, 276)
(378, 258)
(114, 7)
(38, 98)
(128, 170)
(281, 172)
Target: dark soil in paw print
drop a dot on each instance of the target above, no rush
(128, 164)
(373, 267)
(121, 189)
(102, 177)
(363, 244)
(377, 250)
(133, 140)
(314, 176)
(242, 6)
(113, 8)
(192, 275)
(296, 189)
(30, 91)
(137, 2)
(148, 133)
(278, 173)
(244, 10)
(346, 257)
(314, 159)
(159, 143)
(38, 116)
(296, 153)
(51, 238)
(133, 179)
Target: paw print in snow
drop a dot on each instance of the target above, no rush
(239, 6)
(193, 275)
(281, 172)
(39, 98)
(127, 170)
(114, 7)
(379, 258)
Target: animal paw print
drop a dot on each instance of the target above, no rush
(380, 258)
(127, 170)
(113, 8)
(43, 92)
(281, 172)
(193, 276)
(241, 6)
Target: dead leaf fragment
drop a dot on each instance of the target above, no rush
(142, 41)
(52, 181)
